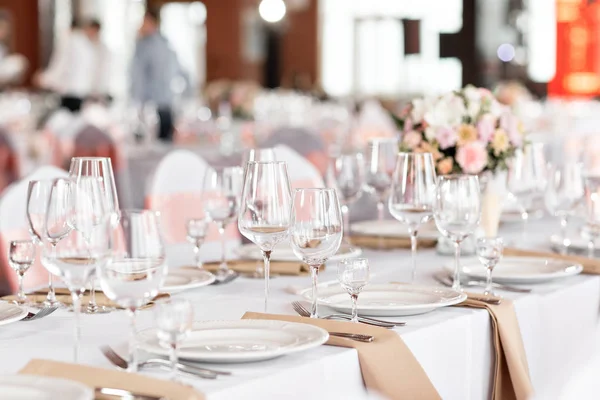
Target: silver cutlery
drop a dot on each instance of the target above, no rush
(353, 336)
(446, 281)
(301, 310)
(44, 312)
(223, 279)
(124, 394)
(120, 362)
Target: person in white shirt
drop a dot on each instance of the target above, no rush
(80, 68)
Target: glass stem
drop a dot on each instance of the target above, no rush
(199, 263)
(591, 246)
(380, 206)
(346, 218)
(223, 266)
(92, 307)
(133, 361)
(76, 300)
(314, 274)
(354, 298)
(413, 250)
(173, 360)
(21, 295)
(563, 232)
(51, 296)
(267, 271)
(456, 282)
(488, 280)
(525, 217)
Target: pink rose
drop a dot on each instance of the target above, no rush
(408, 125)
(412, 139)
(446, 137)
(472, 157)
(510, 124)
(486, 127)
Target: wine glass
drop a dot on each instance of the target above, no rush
(564, 191)
(21, 255)
(100, 168)
(315, 231)
(457, 211)
(68, 253)
(413, 195)
(264, 216)
(138, 266)
(196, 233)
(38, 193)
(592, 201)
(489, 251)
(353, 274)
(346, 173)
(527, 178)
(174, 319)
(380, 164)
(221, 195)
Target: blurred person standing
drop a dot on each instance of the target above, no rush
(153, 71)
(79, 70)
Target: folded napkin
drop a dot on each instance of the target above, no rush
(511, 372)
(249, 267)
(590, 265)
(388, 243)
(106, 378)
(64, 296)
(387, 365)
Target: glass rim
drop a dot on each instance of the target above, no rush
(414, 154)
(266, 162)
(356, 259)
(451, 177)
(90, 158)
(22, 241)
(314, 190)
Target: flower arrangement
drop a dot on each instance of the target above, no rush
(511, 93)
(240, 95)
(467, 131)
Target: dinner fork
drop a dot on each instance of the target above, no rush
(301, 310)
(44, 312)
(226, 279)
(120, 362)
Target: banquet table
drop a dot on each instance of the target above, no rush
(557, 321)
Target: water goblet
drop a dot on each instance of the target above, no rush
(174, 318)
(380, 164)
(196, 233)
(21, 255)
(353, 274)
(489, 251)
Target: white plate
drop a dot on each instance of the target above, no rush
(11, 313)
(393, 228)
(578, 242)
(283, 252)
(389, 300)
(521, 269)
(240, 341)
(34, 387)
(180, 279)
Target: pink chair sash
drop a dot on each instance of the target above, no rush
(93, 142)
(35, 277)
(57, 149)
(175, 209)
(9, 162)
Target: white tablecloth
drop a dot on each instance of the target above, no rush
(453, 345)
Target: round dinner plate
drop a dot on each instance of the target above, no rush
(180, 279)
(389, 300)
(393, 228)
(520, 269)
(240, 341)
(10, 312)
(35, 387)
(577, 242)
(284, 252)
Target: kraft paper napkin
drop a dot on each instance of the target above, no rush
(106, 378)
(511, 371)
(388, 243)
(591, 266)
(387, 364)
(276, 267)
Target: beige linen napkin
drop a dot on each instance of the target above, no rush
(276, 267)
(64, 296)
(388, 243)
(511, 372)
(591, 266)
(106, 378)
(387, 364)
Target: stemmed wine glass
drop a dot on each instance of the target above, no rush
(21, 255)
(564, 191)
(138, 266)
(315, 231)
(264, 216)
(101, 169)
(346, 174)
(74, 257)
(380, 163)
(353, 274)
(222, 190)
(489, 251)
(38, 194)
(196, 233)
(413, 195)
(457, 211)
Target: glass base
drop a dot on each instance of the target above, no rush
(98, 310)
(45, 304)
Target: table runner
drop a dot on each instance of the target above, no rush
(590, 266)
(388, 242)
(276, 267)
(387, 364)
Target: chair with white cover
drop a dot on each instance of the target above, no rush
(14, 226)
(304, 141)
(302, 173)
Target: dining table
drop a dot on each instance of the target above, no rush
(454, 346)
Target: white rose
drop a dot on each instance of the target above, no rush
(430, 133)
(418, 110)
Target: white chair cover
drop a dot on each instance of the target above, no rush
(303, 174)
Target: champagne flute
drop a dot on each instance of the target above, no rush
(100, 168)
(222, 190)
(21, 255)
(457, 211)
(380, 164)
(264, 216)
(315, 231)
(138, 267)
(413, 195)
(346, 173)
